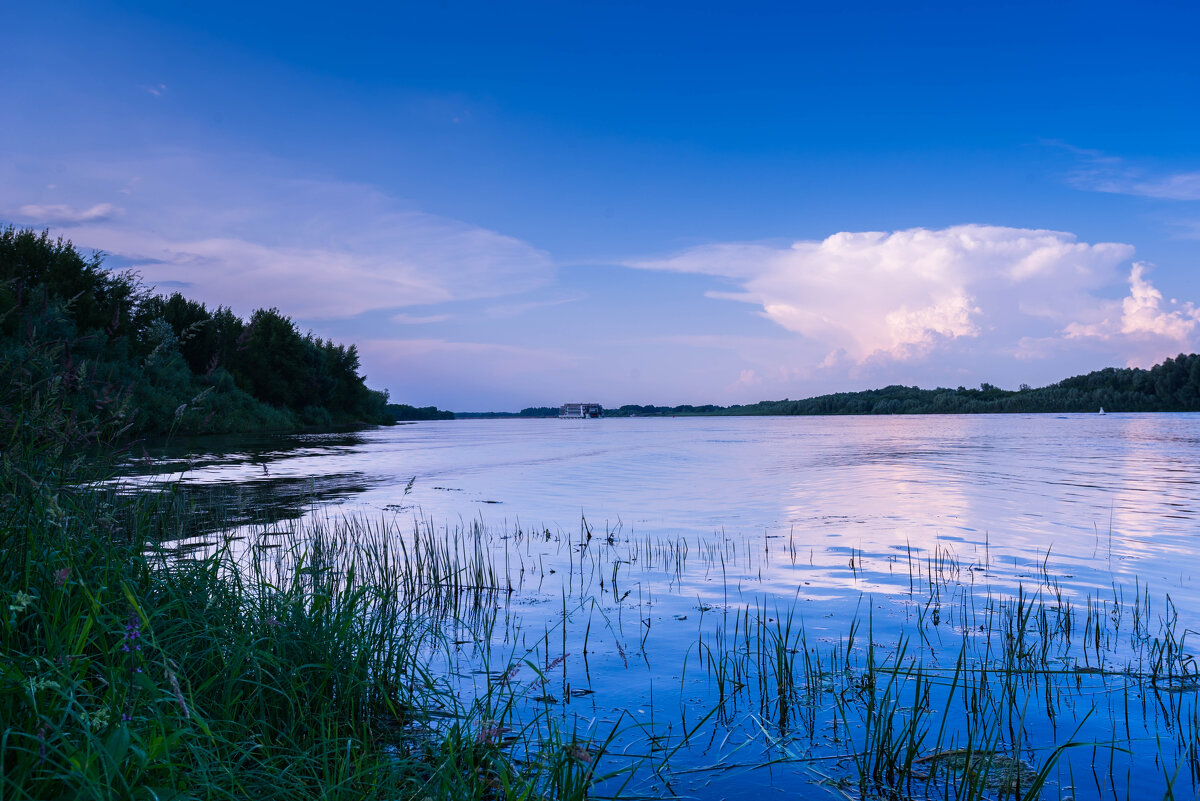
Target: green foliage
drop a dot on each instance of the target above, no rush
(539, 411)
(402, 411)
(532, 411)
(160, 363)
(133, 677)
(130, 671)
(1173, 386)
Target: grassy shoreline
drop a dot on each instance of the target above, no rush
(152, 652)
(131, 676)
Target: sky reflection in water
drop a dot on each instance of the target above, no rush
(1111, 496)
(828, 518)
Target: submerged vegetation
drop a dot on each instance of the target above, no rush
(486, 664)
(119, 355)
(300, 671)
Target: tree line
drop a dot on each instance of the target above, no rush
(402, 411)
(104, 355)
(1172, 386)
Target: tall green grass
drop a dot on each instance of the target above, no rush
(292, 669)
(298, 671)
(150, 651)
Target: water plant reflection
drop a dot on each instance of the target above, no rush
(953, 688)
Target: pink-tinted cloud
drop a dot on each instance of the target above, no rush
(62, 214)
(242, 235)
(864, 297)
(1149, 328)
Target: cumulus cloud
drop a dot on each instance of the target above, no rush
(1150, 327)
(62, 214)
(872, 296)
(748, 378)
(248, 235)
(1142, 311)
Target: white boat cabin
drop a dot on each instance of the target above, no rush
(580, 411)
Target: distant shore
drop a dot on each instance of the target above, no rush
(1172, 386)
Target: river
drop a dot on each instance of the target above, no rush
(830, 519)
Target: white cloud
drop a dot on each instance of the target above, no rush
(241, 235)
(62, 214)
(517, 309)
(1179, 186)
(1104, 173)
(748, 378)
(417, 319)
(423, 260)
(873, 296)
(1142, 312)
(1148, 328)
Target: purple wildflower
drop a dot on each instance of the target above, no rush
(133, 632)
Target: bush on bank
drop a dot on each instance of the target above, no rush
(133, 673)
(164, 364)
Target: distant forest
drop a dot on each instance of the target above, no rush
(95, 354)
(402, 411)
(88, 354)
(1173, 386)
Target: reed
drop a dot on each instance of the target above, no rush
(302, 662)
(164, 650)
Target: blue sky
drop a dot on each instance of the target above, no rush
(514, 204)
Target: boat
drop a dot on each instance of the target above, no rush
(580, 411)
(1102, 411)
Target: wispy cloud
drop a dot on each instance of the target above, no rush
(516, 309)
(1177, 186)
(62, 214)
(505, 359)
(244, 236)
(418, 319)
(1100, 172)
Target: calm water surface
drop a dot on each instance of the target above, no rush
(1117, 492)
(824, 516)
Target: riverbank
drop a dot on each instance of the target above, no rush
(336, 659)
(900, 651)
(282, 673)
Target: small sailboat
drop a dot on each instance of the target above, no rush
(1102, 411)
